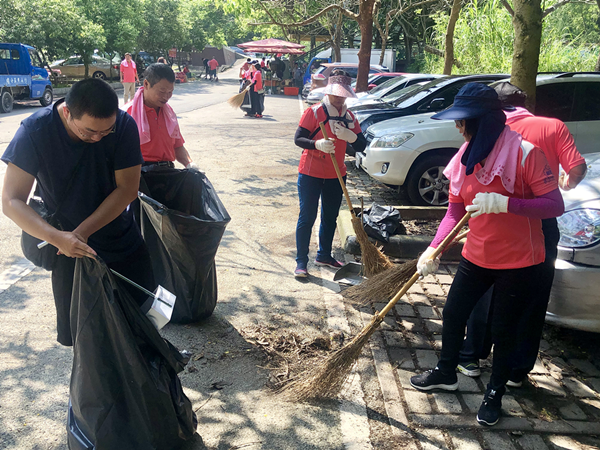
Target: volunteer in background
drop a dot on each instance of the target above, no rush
(317, 177)
(159, 133)
(213, 64)
(88, 139)
(554, 138)
(129, 76)
(257, 92)
(507, 184)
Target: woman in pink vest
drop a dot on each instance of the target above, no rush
(317, 178)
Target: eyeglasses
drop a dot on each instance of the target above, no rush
(87, 135)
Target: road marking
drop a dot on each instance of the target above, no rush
(14, 273)
(389, 388)
(301, 103)
(354, 422)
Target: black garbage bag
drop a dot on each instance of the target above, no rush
(381, 222)
(125, 392)
(182, 222)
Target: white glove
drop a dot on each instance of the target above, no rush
(325, 145)
(563, 181)
(426, 265)
(488, 203)
(343, 133)
(194, 166)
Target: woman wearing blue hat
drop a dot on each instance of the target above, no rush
(508, 186)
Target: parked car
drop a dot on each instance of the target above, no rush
(574, 300)
(413, 151)
(73, 67)
(377, 79)
(390, 89)
(22, 76)
(430, 97)
(323, 72)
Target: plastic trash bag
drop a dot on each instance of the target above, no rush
(381, 222)
(125, 392)
(182, 222)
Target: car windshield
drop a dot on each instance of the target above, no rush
(413, 94)
(320, 69)
(386, 84)
(369, 81)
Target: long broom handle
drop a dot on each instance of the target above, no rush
(338, 173)
(440, 248)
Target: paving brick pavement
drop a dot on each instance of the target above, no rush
(557, 408)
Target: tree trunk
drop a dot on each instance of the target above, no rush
(527, 23)
(350, 39)
(337, 37)
(597, 68)
(313, 42)
(383, 46)
(365, 24)
(449, 53)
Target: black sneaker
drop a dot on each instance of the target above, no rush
(470, 369)
(435, 379)
(490, 409)
(332, 262)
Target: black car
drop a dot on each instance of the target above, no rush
(417, 99)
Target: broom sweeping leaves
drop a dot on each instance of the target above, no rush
(238, 99)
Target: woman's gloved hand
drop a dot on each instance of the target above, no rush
(427, 266)
(325, 145)
(343, 133)
(488, 203)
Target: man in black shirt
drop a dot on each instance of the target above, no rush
(87, 138)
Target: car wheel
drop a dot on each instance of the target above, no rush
(6, 102)
(46, 98)
(426, 184)
(100, 75)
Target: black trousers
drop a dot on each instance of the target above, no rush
(478, 343)
(137, 267)
(256, 102)
(516, 295)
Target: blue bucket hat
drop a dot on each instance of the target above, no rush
(480, 102)
(472, 101)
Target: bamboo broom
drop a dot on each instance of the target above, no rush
(383, 286)
(373, 260)
(238, 99)
(327, 379)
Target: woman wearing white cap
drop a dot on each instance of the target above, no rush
(317, 177)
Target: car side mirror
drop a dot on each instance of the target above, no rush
(436, 104)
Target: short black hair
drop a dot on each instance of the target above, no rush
(509, 94)
(339, 73)
(248, 60)
(93, 97)
(257, 66)
(472, 126)
(156, 72)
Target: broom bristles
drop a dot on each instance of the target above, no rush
(237, 100)
(381, 287)
(373, 260)
(328, 378)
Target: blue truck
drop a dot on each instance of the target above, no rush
(22, 76)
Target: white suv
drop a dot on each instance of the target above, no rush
(411, 152)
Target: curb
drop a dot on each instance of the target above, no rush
(65, 91)
(400, 246)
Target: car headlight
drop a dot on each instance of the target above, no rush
(579, 228)
(391, 140)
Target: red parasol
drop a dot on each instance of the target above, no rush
(273, 46)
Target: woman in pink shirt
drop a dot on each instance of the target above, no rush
(257, 92)
(508, 186)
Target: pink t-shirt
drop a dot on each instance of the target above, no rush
(257, 76)
(128, 71)
(552, 136)
(161, 146)
(508, 241)
(213, 64)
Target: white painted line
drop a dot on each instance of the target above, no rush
(301, 103)
(354, 422)
(14, 273)
(389, 388)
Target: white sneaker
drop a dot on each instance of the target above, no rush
(514, 384)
